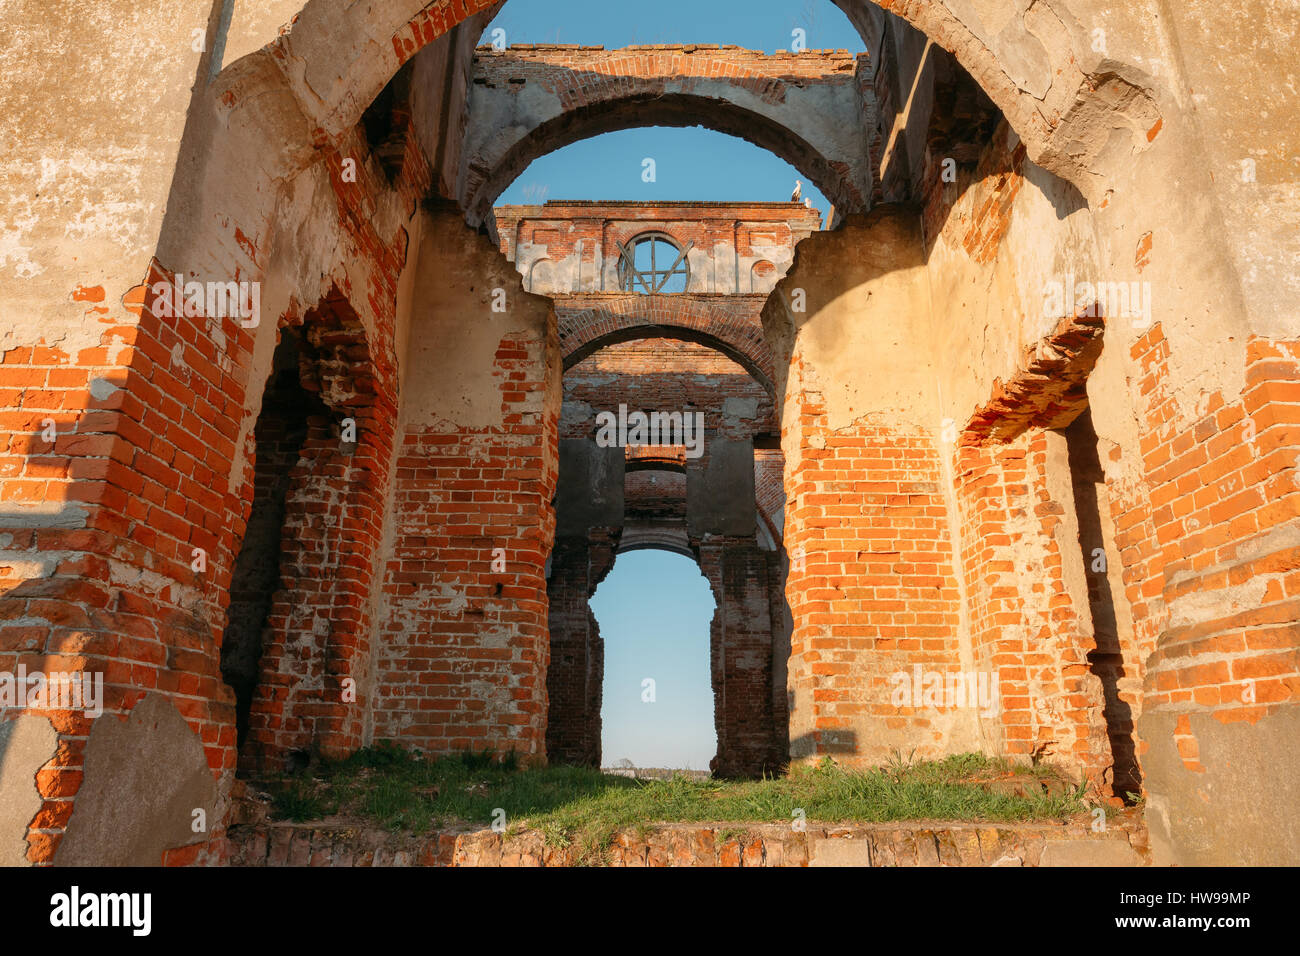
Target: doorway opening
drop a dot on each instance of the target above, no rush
(281, 429)
(657, 710)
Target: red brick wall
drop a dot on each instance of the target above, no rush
(1223, 492)
(152, 464)
(464, 646)
(592, 321)
(871, 584)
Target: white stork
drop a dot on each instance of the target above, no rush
(798, 190)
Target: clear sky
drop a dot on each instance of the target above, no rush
(754, 24)
(654, 608)
(691, 163)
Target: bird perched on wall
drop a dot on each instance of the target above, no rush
(798, 190)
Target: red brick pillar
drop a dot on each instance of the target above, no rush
(871, 585)
(575, 678)
(464, 644)
(1026, 628)
(741, 652)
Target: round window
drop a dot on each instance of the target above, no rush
(653, 263)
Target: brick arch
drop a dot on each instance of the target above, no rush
(529, 102)
(1034, 64)
(728, 323)
(656, 535)
(661, 462)
(655, 539)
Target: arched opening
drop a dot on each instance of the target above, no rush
(281, 429)
(692, 493)
(847, 189)
(657, 706)
(733, 350)
(611, 166)
(904, 540)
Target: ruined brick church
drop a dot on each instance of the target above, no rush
(300, 428)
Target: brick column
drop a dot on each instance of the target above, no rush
(574, 680)
(741, 652)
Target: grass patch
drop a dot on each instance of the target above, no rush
(583, 808)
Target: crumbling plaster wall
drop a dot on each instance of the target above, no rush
(84, 197)
(1155, 187)
(463, 642)
(571, 248)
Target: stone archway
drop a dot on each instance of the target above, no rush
(727, 323)
(1035, 61)
(265, 177)
(813, 111)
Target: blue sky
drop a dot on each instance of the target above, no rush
(692, 163)
(754, 24)
(654, 608)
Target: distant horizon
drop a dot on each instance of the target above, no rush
(654, 610)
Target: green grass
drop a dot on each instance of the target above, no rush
(583, 808)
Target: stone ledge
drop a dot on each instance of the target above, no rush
(910, 843)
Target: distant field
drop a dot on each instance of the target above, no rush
(584, 807)
(655, 773)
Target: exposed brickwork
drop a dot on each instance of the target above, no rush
(321, 615)
(577, 668)
(795, 105)
(741, 648)
(463, 664)
(730, 324)
(995, 180)
(128, 490)
(279, 434)
(688, 844)
(1024, 625)
(871, 584)
(1224, 503)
